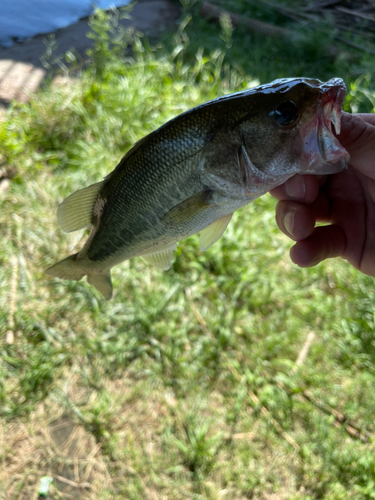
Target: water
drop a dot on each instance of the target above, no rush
(21, 19)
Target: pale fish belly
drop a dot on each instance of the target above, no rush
(163, 235)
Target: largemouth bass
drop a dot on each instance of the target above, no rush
(192, 173)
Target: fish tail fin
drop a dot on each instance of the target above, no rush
(69, 269)
(102, 282)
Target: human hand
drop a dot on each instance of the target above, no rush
(346, 201)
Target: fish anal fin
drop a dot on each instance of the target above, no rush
(102, 282)
(161, 259)
(75, 212)
(213, 232)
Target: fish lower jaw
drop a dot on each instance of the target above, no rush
(334, 160)
(322, 153)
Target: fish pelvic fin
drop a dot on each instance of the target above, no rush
(75, 212)
(102, 282)
(69, 269)
(213, 232)
(161, 259)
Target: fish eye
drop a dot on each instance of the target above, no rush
(285, 114)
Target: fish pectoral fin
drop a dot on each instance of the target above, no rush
(75, 211)
(161, 259)
(213, 232)
(188, 208)
(102, 282)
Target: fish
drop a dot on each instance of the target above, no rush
(193, 172)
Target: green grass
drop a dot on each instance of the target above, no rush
(185, 385)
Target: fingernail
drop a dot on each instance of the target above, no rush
(295, 187)
(289, 221)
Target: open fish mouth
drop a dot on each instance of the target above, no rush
(332, 100)
(321, 146)
(332, 113)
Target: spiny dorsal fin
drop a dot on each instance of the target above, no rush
(75, 211)
(161, 259)
(213, 232)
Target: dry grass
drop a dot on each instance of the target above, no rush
(55, 442)
(51, 443)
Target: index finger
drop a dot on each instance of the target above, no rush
(302, 188)
(358, 137)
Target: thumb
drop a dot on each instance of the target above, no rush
(358, 138)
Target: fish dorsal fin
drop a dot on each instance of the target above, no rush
(213, 232)
(75, 211)
(161, 259)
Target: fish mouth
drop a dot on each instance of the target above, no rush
(322, 150)
(333, 97)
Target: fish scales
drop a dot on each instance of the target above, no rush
(192, 173)
(156, 163)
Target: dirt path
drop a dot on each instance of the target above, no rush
(21, 70)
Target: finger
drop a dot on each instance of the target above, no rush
(321, 179)
(294, 219)
(358, 137)
(367, 117)
(325, 242)
(321, 208)
(303, 188)
(297, 220)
